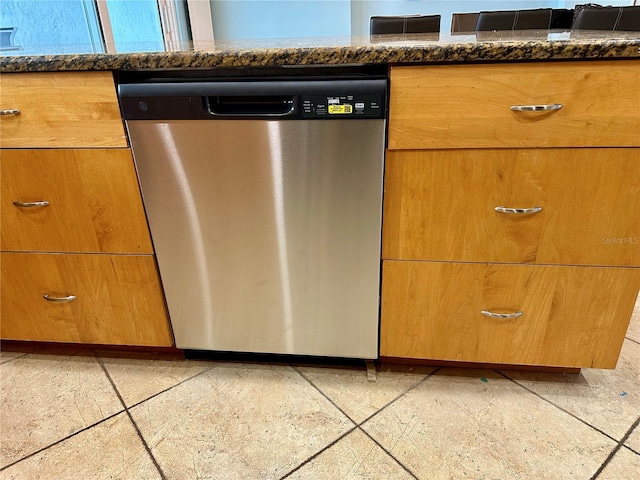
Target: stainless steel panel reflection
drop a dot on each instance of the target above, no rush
(267, 233)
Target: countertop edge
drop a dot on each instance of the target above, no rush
(404, 53)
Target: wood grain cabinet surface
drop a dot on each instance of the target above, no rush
(533, 210)
(571, 316)
(77, 263)
(118, 299)
(60, 109)
(469, 106)
(583, 205)
(93, 202)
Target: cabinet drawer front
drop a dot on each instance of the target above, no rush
(469, 106)
(60, 109)
(571, 316)
(440, 205)
(118, 299)
(94, 202)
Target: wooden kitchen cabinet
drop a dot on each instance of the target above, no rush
(456, 151)
(583, 205)
(564, 316)
(93, 202)
(118, 299)
(469, 106)
(60, 109)
(72, 219)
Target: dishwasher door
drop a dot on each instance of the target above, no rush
(267, 232)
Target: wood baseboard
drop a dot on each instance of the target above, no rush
(493, 366)
(116, 351)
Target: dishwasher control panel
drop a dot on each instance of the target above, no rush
(341, 106)
(304, 98)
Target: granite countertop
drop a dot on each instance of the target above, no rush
(380, 49)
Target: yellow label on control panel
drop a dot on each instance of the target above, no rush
(346, 108)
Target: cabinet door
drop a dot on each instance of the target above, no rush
(94, 202)
(470, 106)
(118, 299)
(60, 109)
(440, 205)
(571, 316)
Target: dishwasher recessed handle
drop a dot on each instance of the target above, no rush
(251, 105)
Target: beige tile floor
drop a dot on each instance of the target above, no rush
(87, 414)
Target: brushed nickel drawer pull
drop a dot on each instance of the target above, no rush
(487, 313)
(11, 111)
(68, 298)
(518, 211)
(536, 108)
(41, 203)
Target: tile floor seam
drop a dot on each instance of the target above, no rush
(296, 369)
(35, 351)
(61, 440)
(315, 455)
(355, 424)
(135, 425)
(616, 449)
(8, 360)
(429, 375)
(633, 340)
(171, 387)
(631, 449)
(359, 425)
(557, 406)
(405, 468)
(373, 414)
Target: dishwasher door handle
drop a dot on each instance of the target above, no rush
(251, 105)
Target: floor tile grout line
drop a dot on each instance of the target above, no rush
(8, 360)
(43, 351)
(171, 387)
(429, 375)
(315, 455)
(355, 424)
(135, 425)
(633, 340)
(373, 414)
(120, 412)
(557, 406)
(296, 369)
(359, 424)
(631, 449)
(616, 449)
(406, 469)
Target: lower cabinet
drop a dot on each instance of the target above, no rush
(537, 205)
(89, 201)
(82, 298)
(564, 316)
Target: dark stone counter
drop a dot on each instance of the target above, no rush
(524, 45)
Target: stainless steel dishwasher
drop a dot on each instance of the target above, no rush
(264, 202)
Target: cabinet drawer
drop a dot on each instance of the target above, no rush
(440, 205)
(61, 109)
(94, 202)
(469, 106)
(118, 299)
(572, 316)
